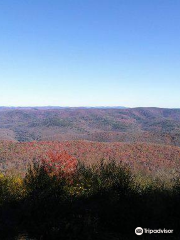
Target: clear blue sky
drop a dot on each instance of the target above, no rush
(90, 52)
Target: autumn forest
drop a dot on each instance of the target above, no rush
(82, 173)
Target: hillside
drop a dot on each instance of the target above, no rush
(151, 159)
(151, 125)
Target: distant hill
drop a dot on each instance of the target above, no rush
(60, 107)
(103, 124)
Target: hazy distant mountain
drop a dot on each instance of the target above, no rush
(60, 107)
(104, 124)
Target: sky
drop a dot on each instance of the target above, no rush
(90, 53)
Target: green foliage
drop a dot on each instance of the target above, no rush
(102, 177)
(37, 178)
(11, 188)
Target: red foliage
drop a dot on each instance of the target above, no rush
(60, 162)
(151, 158)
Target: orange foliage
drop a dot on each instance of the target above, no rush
(152, 158)
(60, 162)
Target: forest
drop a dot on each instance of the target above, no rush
(90, 173)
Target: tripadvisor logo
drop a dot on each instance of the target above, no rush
(140, 231)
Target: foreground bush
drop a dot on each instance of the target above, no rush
(11, 189)
(103, 201)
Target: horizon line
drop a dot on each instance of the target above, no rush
(102, 106)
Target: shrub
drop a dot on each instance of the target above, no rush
(11, 188)
(68, 200)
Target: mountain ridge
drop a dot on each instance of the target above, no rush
(156, 125)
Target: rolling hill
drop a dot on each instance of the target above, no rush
(150, 125)
(151, 159)
(147, 139)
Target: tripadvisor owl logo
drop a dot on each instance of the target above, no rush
(138, 231)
